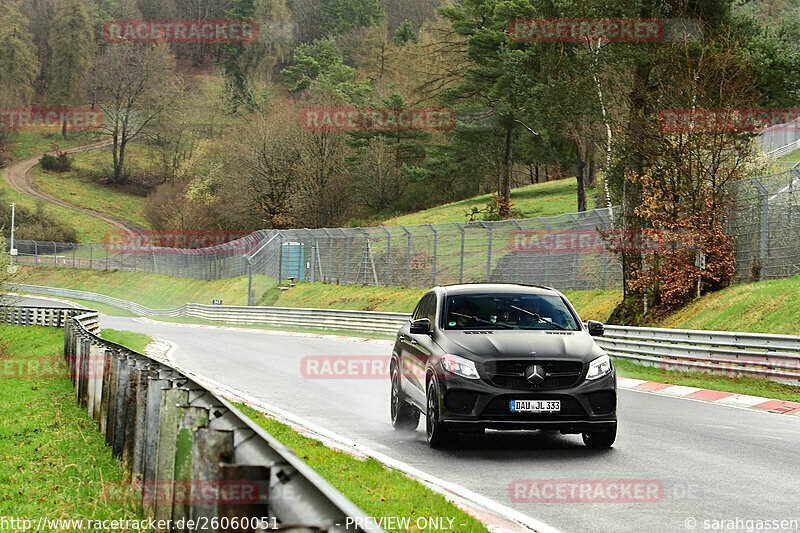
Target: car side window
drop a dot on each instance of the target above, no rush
(422, 308)
(430, 310)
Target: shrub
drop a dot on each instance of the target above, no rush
(55, 163)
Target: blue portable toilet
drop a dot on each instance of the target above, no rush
(292, 260)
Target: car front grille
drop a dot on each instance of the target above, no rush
(510, 374)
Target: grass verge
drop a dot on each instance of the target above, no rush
(760, 307)
(704, 380)
(55, 463)
(152, 290)
(129, 339)
(376, 489)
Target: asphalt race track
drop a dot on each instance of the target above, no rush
(713, 462)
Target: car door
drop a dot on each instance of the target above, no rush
(419, 349)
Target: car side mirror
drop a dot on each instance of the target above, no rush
(422, 325)
(596, 329)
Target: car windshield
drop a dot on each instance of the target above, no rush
(508, 311)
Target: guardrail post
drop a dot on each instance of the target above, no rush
(190, 419)
(94, 377)
(517, 253)
(171, 400)
(121, 405)
(139, 450)
(244, 476)
(211, 448)
(155, 387)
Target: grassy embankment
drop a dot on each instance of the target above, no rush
(55, 463)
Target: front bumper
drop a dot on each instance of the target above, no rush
(470, 405)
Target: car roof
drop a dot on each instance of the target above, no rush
(482, 288)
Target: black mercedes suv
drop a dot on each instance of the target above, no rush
(502, 356)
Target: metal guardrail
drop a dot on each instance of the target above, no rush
(775, 357)
(369, 321)
(185, 446)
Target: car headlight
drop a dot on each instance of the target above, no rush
(599, 367)
(460, 366)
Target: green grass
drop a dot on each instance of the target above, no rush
(539, 200)
(129, 339)
(25, 144)
(53, 461)
(78, 188)
(591, 305)
(705, 380)
(760, 307)
(792, 157)
(152, 290)
(376, 489)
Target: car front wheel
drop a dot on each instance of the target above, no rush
(438, 435)
(404, 416)
(603, 438)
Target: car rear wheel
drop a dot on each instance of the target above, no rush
(404, 416)
(438, 435)
(603, 438)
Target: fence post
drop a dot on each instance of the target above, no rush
(35, 253)
(517, 252)
(280, 258)
(388, 252)
(461, 261)
(346, 258)
(435, 239)
(764, 226)
(488, 228)
(73, 254)
(547, 255)
(91, 251)
(408, 255)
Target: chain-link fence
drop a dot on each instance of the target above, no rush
(765, 223)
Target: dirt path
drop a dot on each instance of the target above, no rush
(20, 177)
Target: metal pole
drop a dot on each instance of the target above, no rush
(764, 226)
(388, 252)
(435, 235)
(249, 282)
(408, 256)
(488, 252)
(13, 212)
(461, 263)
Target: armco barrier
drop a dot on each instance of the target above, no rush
(369, 321)
(179, 440)
(775, 357)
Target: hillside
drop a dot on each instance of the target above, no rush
(537, 200)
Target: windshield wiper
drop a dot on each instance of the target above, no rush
(484, 320)
(537, 317)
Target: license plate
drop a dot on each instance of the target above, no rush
(535, 406)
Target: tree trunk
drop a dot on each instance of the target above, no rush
(537, 172)
(636, 147)
(505, 179)
(581, 174)
(591, 177)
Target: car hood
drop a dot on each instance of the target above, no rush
(513, 344)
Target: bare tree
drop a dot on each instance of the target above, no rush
(132, 85)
